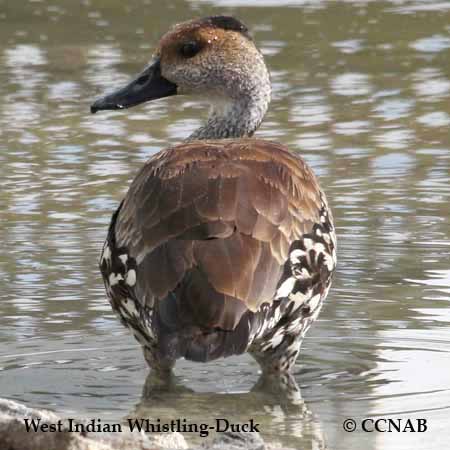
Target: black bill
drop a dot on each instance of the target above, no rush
(149, 85)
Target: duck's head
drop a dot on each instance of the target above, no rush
(213, 58)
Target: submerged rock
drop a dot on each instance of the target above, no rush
(236, 441)
(14, 435)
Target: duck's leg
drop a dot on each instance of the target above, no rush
(162, 387)
(159, 365)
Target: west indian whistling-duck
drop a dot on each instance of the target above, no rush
(224, 243)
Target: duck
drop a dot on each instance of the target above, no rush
(225, 243)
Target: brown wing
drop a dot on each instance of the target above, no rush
(211, 222)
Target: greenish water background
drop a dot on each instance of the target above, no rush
(361, 90)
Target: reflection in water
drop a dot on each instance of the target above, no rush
(361, 90)
(276, 405)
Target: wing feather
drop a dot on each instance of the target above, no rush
(222, 213)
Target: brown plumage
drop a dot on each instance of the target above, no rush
(220, 246)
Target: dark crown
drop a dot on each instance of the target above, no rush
(226, 23)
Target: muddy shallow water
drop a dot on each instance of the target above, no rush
(361, 90)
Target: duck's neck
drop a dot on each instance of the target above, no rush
(236, 117)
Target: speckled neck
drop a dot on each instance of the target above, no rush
(240, 114)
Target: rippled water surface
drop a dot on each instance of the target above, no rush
(361, 90)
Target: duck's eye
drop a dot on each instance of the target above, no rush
(190, 49)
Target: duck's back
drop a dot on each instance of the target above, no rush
(208, 232)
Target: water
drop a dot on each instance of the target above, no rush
(361, 90)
